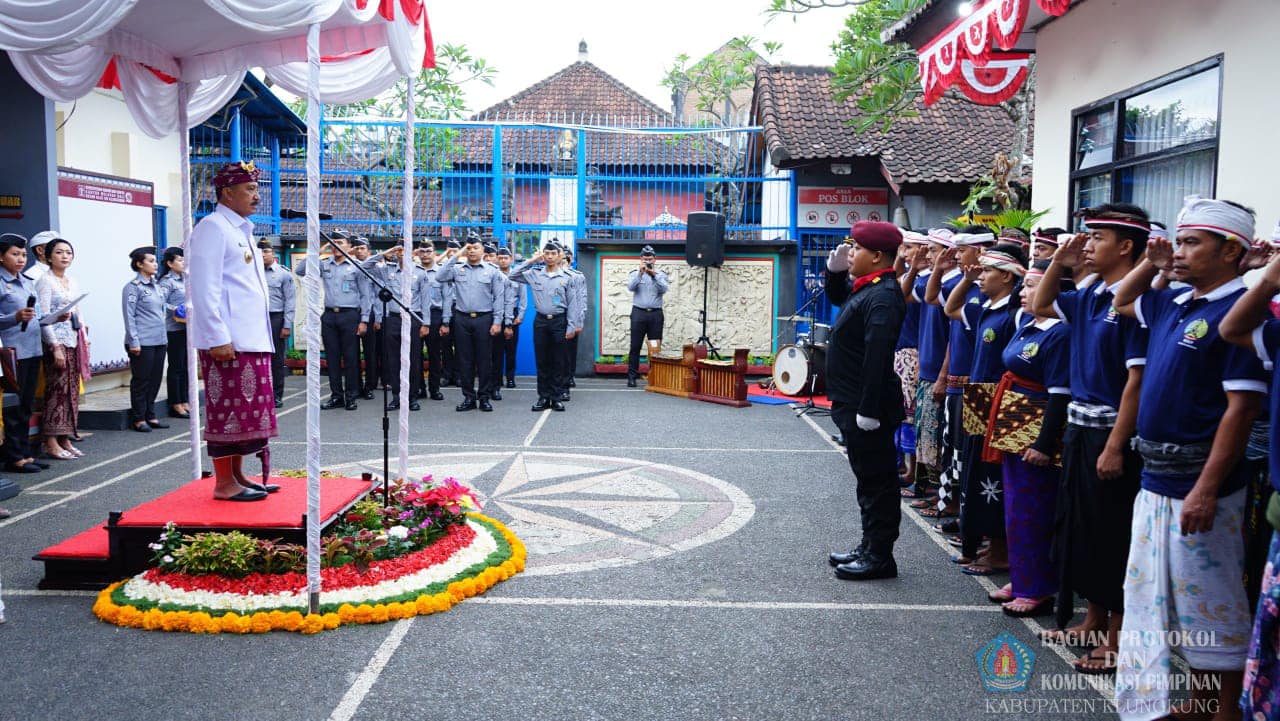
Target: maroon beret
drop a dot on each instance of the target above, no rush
(875, 235)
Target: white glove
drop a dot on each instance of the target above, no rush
(867, 424)
(838, 258)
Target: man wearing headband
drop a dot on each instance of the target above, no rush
(1199, 396)
(1044, 241)
(906, 356)
(231, 329)
(1016, 236)
(865, 393)
(1100, 472)
(647, 286)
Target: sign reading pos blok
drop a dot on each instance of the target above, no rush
(840, 207)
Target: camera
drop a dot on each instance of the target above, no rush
(648, 264)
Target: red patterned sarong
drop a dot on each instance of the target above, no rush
(240, 412)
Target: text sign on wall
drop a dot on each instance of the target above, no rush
(840, 207)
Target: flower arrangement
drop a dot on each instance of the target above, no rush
(421, 554)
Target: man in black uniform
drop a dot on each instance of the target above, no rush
(865, 393)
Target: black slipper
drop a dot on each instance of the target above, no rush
(268, 488)
(245, 495)
(950, 525)
(1100, 671)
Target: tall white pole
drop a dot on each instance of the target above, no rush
(193, 377)
(407, 364)
(315, 301)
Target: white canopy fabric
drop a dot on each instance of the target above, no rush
(179, 62)
(62, 47)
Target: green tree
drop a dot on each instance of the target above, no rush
(713, 80)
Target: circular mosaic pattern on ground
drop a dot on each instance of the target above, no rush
(583, 512)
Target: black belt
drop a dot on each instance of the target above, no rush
(476, 315)
(549, 316)
(636, 307)
(336, 309)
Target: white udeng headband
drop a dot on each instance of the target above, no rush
(1001, 261)
(1218, 217)
(973, 238)
(942, 237)
(910, 236)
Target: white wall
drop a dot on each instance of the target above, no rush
(100, 136)
(1103, 47)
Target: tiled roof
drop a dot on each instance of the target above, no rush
(581, 94)
(950, 141)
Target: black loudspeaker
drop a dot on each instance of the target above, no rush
(704, 244)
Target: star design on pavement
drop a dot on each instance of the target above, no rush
(990, 491)
(583, 512)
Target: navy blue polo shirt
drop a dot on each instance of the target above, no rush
(960, 339)
(993, 326)
(1190, 369)
(910, 335)
(1041, 353)
(1266, 341)
(934, 327)
(1115, 343)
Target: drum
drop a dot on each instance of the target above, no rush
(795, 367)
(821, 334)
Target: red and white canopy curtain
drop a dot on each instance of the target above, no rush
(177, 63)
(964, 53)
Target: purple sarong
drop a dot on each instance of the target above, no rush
(1261, 697)
(240, 413)
(1030, 494)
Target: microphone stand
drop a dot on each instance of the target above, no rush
(809, 407)
(387, 297)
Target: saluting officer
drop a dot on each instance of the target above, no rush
(557, 302)
(580, 286)
(478, 313)
(371, 341)
(281, 305)
(647, 286)
(344, 322)
(447, 350)
(436, 296)
(504, 353)
(385, 266)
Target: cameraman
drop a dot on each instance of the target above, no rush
(647, 287)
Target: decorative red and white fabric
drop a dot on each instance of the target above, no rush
(62, 48)
(959, 53)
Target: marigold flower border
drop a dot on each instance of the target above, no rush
(112, 606)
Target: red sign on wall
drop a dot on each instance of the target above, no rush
(840, 207)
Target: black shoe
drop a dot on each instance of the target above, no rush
(155, 423)
(840, 559)
(564, 397)
(496, 395)
(268, 488)
(572, 383)
(557, 405)
(467, 405)
(141, 428)
(415, 405)
(631, 382)
(279, 403)
(247, 494)
(838, 438)
(868, 568)
(351, 405)
(367, 394)
(39, 464)
(541, 405)
(486, 406)
(184, 416)
(331, 404)
(24, 468)
(437, 396)
(511, 382)
(394, 405)
(422, 393)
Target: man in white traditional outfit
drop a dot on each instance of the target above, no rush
(1200, 395)
(231, 329)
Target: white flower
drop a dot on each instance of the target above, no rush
(398, 532)
(167, 558)
(154, 546)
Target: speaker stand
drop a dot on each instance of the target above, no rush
(712, 351)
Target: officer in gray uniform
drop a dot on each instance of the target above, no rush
(571, 365)
(557, 302)
(385, 267)
(344, 321)
(145, 338)
(281, 304)
(504, 353)
(478, 314)
(450, 377)
(647, 287)
(371, 341)
(435, 297)
(20, 329)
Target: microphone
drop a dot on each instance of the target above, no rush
(31, 303)
(291, 214)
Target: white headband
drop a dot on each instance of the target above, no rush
(1001, 261)
(910, 236)
(941, 236)
(1218, 217)
(973, 238)
(1157, 232)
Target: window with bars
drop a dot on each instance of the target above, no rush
(1151, 145)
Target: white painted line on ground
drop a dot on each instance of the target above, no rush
(352, 699)
(72, 495)
(48, 493)
(735, 605)
(826, 435)
(36, 592)
(504, 446)
(528, 440)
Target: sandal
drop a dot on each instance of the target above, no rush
(908, 492)
(1107, 659)
(1029, 608)
(925, 502)
(951, 525)
(1001, 595)
(984, 568)
(938, 513)
(60, 455)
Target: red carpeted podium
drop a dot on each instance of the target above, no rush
(105, 554)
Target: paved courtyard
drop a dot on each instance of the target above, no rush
(677, 570)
